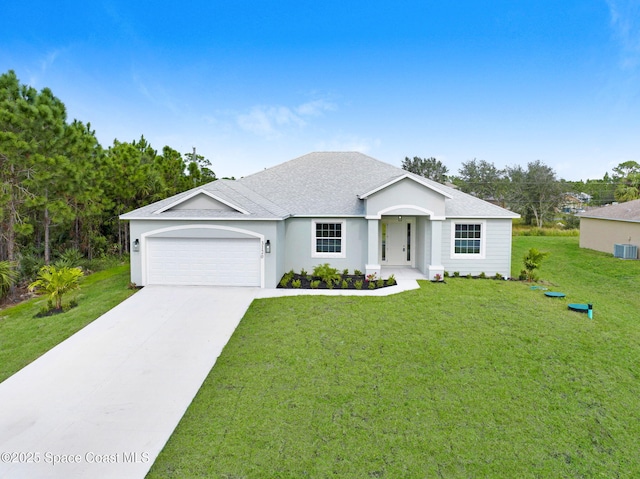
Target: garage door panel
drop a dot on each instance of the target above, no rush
(202, 261)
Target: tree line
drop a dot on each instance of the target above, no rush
(535, 192)
(61, 189)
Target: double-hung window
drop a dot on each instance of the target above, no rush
(328, 239)
(468, 239)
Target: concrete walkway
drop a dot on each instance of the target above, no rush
(104, 402)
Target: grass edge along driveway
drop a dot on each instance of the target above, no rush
(24, 338)
(473, 378)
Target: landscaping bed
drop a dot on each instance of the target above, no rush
(326, 277)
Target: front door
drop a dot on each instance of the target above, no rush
(397, 241)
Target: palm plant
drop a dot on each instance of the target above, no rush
(8, 277)
(532, 261)
(56, 282)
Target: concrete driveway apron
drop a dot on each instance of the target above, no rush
(104, 402)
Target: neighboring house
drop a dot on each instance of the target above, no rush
(574, 202)
(345, 209)
(602, 228)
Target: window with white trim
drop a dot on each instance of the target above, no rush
(328, 239)
(468, 239)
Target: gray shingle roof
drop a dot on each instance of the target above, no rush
(231, 191)
(322, 183)
(629, 211)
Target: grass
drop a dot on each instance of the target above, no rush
(24, 338)
(472, 378)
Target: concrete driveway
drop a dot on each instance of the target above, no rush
(104, 402)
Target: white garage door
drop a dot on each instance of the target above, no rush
(203, 261)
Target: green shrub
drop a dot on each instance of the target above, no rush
(344, 284)
(315, 284)
(566, 230)
(357, 272)
(391, 280)
(330, 284)
(303, 272)
(56, 282)
(8, 277)
(371, 285)
(358, 284)
(469, 276)
(105, 262)
(456, 274)
(71, 258)
(446, 274)
(284, 282)
(380, 283)
(326, 273)
(296, 283)
(345, 272)
(532, 261)
(30, 264)
(483, 275)
(498, 276)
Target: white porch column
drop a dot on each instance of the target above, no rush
(372, 265)
(435, 262)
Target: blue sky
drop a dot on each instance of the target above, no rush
(253, 83)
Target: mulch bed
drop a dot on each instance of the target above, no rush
(351, 279)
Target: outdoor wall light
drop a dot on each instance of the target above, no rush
(136, 245)
(399, 218)
(267, 247)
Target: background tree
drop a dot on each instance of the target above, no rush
(535, 193)
(629, 188)
(48, 183)
(482, 179)
(624, 169)
(60, 190)
(16, 149)
(627, 177)
(199, 169)
(428, 167)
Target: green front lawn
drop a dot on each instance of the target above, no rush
(24, 338)
(473, 378)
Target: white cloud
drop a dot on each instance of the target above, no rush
(315, 107)
(44, 64)
(273, 121)
(625, 21)
(48, 61)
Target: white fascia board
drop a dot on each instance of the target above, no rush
(196, 218)
(201, 192)
(326, 216)
(608, 219)
(386, 185)
(513, 216)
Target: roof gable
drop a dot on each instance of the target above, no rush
(201, 200)
(400, 178)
